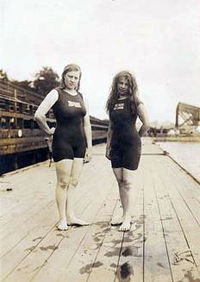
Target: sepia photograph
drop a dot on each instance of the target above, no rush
(100, 141)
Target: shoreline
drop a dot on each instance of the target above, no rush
(179, 153)
(177, 139)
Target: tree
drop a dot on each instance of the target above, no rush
(45, 80)
(3, 75)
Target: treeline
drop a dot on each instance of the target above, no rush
(43, 81)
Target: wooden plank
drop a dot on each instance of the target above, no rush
(21, 203)
(180, 257)
(106, 259)
(54, 240)
(188, 189)
(188, 224)
(108, 256)
(27, 228)
(20, 250)
(30, 220)
(37, 229)
(167, 220)
(59, 244)
(130, 265)
(150, 149)
(68, 265)
(156, 263)
(78, 263)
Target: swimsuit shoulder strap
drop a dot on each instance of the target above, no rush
(81, 95)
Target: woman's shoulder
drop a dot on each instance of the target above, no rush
(138, 101)
(58, 90)
(52, 93)
(52, 96)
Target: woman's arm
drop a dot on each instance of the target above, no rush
(142, 113)
(44, 107)
(109, 135)
(87, 128)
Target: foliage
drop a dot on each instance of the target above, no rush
(3, 75)
(45, 80)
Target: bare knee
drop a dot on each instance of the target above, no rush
(126, 184)
(73, 182)
(63, 183)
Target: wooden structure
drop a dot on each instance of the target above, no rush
(19, 131)
(20, 137)
(189, 114)
(162, 246)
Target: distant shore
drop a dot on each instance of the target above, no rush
(177, 139)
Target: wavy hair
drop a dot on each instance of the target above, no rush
(68, 68)
(132, 91)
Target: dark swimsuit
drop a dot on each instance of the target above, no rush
(125, 140)
(69, 138)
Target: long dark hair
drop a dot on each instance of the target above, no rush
(132, 91)
(68, 68)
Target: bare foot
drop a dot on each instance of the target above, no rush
(116, 221)
(62, 225)
(77, 221)
(126, 225)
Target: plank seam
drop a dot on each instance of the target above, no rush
(63, 239)
(28, 253)
(164, 237)
(183, 232)
(101, 243)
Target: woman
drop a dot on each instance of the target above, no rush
(70, 138)
(124, 143)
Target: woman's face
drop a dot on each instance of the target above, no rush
(71, 79)
(122, 86)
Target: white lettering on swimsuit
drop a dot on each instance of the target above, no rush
(119, 106)
(74, 104)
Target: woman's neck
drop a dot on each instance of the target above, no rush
(72, 92)
(122, 97)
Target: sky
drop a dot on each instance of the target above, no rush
(158, 41)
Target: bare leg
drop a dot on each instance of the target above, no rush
(75, 175)
(63, 171)
(126, 196)
(119, 177)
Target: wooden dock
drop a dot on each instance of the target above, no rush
(162, 246)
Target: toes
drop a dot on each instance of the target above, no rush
(77, 222)
(125, 227)
(62, 228)
(122, 229)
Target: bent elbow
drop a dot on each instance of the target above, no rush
(37, 116)
(147, 125)
(87, 125)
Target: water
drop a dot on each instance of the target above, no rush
(187, 154)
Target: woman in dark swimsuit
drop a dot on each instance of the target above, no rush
(124, 142)
(70, 138)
